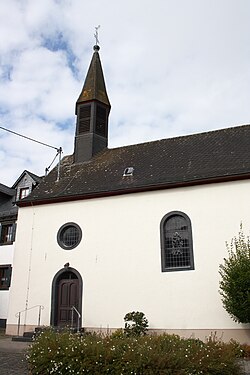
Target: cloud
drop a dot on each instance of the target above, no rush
(172, 67)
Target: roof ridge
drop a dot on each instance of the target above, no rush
(183, 136)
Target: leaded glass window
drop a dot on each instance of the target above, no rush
(69, 236)
(176, 242)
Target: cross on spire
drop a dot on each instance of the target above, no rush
(96, 34)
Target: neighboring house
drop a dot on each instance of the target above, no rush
(141, 228)
(8, 217)
(25, 184)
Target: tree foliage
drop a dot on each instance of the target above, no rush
(235, 279)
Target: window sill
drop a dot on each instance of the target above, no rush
(177, 269)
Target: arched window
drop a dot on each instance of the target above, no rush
(176, 242)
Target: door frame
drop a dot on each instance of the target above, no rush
(54, 293)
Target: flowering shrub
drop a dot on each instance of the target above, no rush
(245, 351)
(67, 353)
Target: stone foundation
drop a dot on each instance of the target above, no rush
(12, 329)
(240, 335)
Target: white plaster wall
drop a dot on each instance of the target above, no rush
(4, 302)
(119, 256)
(6, 257)
(6, 254)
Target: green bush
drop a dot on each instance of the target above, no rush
(235, 279)
(66, 353)
(136, 324)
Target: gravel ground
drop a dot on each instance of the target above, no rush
(13, 364)
(12, 356)
(246, 367)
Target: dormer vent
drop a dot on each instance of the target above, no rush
(129, 171)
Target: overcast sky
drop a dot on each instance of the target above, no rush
(172, 67)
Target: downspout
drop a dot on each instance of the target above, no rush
(29, 270)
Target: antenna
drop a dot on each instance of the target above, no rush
(59, 150)
(96, 34)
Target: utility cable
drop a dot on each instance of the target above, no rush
(31, 139)
(59, 150)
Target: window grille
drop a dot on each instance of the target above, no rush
(69, 236)
(176, 242)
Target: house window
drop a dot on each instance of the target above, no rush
(69, 236)
(7, 233)
(23, 192)
(5, 276)
(176, 242)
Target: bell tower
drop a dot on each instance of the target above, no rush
(92, 111)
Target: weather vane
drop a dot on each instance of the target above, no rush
(96, 34)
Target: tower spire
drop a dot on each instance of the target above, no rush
(94, 87)
(92, 111)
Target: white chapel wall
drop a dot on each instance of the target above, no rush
(119, 257)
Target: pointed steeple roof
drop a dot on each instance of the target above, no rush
(94, 86)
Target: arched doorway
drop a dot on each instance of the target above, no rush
(66, 293)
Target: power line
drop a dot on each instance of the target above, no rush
(30, 139)
(59, 150)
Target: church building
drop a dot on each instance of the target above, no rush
(134, 228)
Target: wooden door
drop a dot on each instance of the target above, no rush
(68, 292)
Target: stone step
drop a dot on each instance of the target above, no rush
(28, 336)
(23, 338)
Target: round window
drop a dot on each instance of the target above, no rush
(69, 236)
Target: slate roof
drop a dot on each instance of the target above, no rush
(36, 178)
(214, 156)
(7, 190)
(94, 87)
(7, 196)
(9, 212)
